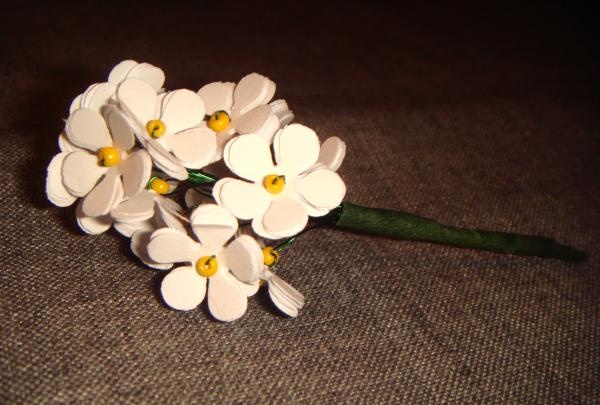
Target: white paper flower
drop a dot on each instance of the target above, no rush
(226, 268)
(99, 94)
(169, 125)
(247, 108)
(100, 166)
(278, 197)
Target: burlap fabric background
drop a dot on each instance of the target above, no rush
(476, 117)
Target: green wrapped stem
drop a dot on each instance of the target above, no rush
(199, 178)
(402, 225)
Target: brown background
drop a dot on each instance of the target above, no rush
(476, 117)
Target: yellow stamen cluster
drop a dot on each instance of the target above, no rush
(159, 185)
(219, 120)
(156, 128)
(274, 183)
(109, 156)
(207, 266)
(270, 255)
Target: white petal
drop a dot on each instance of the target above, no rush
(183, 109)
(258, 229)
(92, 225)
(260, 121)
(244, 258)
(104, 196)
(136, 209)
(139, 100)
(217, 96)
(87, 129)
(252, 121)
(251, 289)
(296, 149)
(150, 74)
(171, 246)
(213, 225)
(285, 297)
(55, 189)
(65, 145)
(120, 71)
(282, 111)
(332, 153)
(139, 241)
(249, 156)
(167, 214)
(80, 172)
(290, 293)
(76, 103)
(226, 297)
(99, 97)
(119, 127)
(127, 229)
(252, 91)
(195, 147)
(321, 188)
(285, 217)
(136, 171)
(244, 200)
(268, 131)
(183, 288)
(165, 161)
(87, 94)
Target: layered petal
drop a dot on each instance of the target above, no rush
(321, 188)
(122, 133)
(87, 129)
(171, 246)
(136, 209)
(80, 172)
(244, 200)
(285, 217)
(183, 289)
(92, 225)
(165, 161)
(139, 100)
(226, 297)
(249, 156)
(251, 91)
(296, 149)
(182, 109)
(332, 153)
(195, 147)
(148, 73)
(136, 171)
(139, 242)
(103, 197)
(121, 70)
(213, 225)
(244, 258)
(217, 96)
(55, 189)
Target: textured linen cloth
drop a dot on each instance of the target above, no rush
(475, 117)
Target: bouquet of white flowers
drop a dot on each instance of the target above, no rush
(147, 161)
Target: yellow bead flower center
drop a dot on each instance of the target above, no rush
(109, 156)
(207, 266)
(274, 183)
(270, 255)
(158, 185)
(219, 120)
(156, 128)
